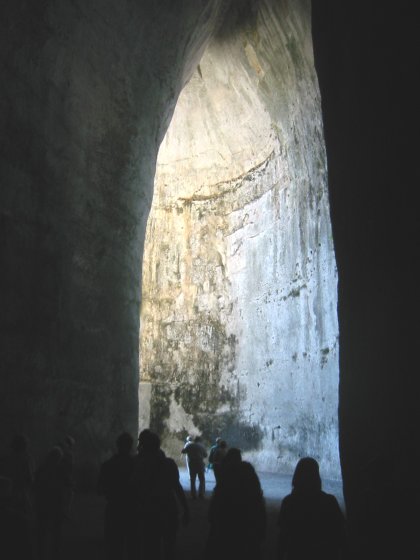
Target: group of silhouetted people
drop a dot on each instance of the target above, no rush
(143, 494)
(46, 492)
(145, 503)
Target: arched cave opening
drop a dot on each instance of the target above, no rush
(87, 91)
(239, 332)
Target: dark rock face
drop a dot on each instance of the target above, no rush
(87, 92)
(365, 60)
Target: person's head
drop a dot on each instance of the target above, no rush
(189, 439)
(124, 443)
(148, 441)
(218, 440)
(222, 444)
(197, 439)
(233, 457)
(306, 477)
(19, 443)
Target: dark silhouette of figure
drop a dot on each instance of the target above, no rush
(18, 466)
(196, 454)
(237, 514)
(50, 502)
(311, 523)
(216, 455)
(158, 494)
(114, 483)
(232, 458)
(15, 542)
(189, 439)
(211, 452)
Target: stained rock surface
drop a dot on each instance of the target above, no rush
(239, 331)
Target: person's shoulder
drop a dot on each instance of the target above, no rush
(286, 507)
(328, 497)
(246, 469)
(330, 500)
(287, 501)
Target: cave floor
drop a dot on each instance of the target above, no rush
(83, 534)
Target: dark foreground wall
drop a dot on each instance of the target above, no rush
(86, 92)
(366, 56)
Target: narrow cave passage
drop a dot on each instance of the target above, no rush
(239, 332)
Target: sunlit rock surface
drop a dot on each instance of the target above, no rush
(239, 332)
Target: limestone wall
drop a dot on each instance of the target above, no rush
(238, 321)
(87, 92)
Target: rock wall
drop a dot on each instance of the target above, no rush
(365, 60)
(238, 322)
(87, 91)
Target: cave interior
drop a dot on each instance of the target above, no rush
(89, 90)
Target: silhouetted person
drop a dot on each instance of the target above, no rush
(196, 454)
(50, 501)
(158, 492)
(311, 523)
(237, 513)
(211, 453)
(15, 543)
(114, 482)
(216, 456)
(189, 439)
(18, 467)
(232, 458)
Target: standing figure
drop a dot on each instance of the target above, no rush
(311, 523)
(196, 454)
(114, 482)
(189, 439)
(158, 493)
(50, 494)
(237, 514)
(217, 454)
(211, 453)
